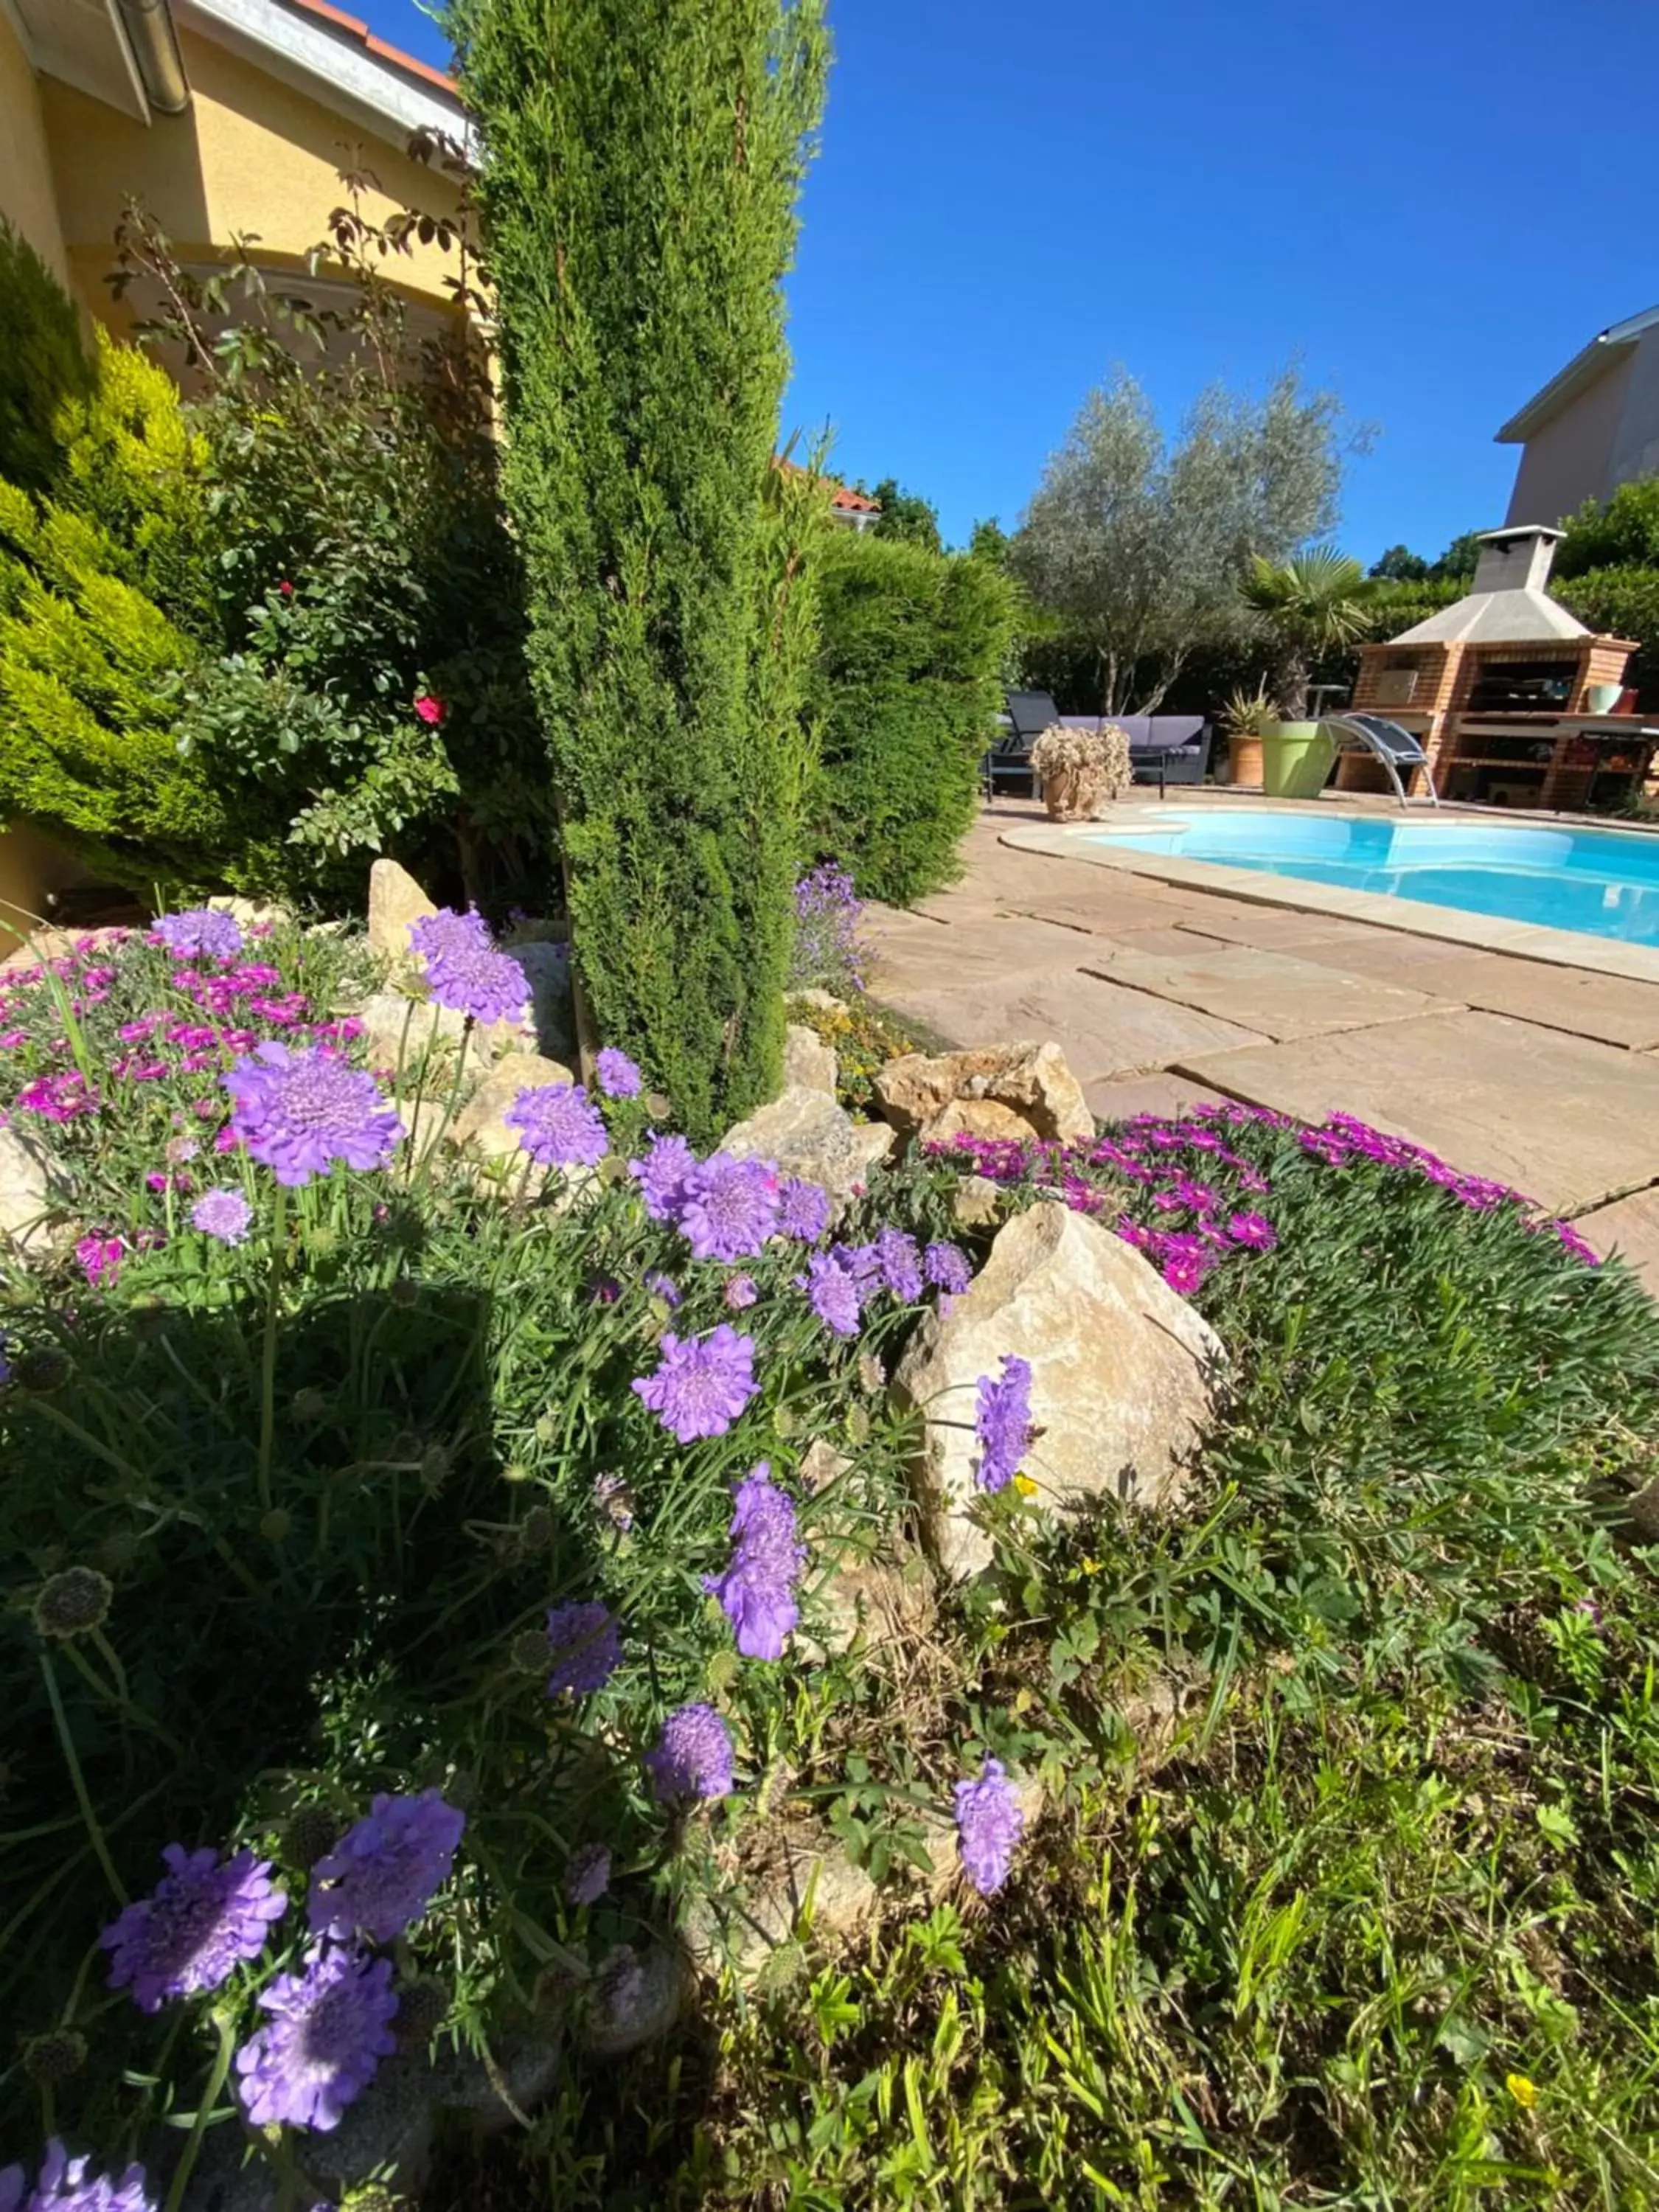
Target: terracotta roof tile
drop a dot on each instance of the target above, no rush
(356, 29)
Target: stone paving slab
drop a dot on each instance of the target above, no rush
(1236, 921)
(1118, 1097)
(1567, 1120)
(1271, 992)
(1102, 1029)
(937, 956)
(1630, 1227)
(1110, 911)
(1609, 1007)
(1386, 952)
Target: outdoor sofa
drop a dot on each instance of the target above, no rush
(1164, 749)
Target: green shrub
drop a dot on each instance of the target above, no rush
(641, 162)
(908, 682)
(88, 669)
(1621, 532)
(43, 364)
(1621, 602)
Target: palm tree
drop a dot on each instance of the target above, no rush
(1309, 604)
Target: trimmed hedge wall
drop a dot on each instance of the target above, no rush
(908, 681)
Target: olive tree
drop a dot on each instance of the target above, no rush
(1138, 549)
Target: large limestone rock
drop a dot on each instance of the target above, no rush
(28, 1191)
(863, 1603)
(1124, 1375)
(807, 1134)
(395, 900)
(398, 1028)
(1017, 1090)
(809, 1064)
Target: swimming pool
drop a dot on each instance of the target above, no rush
(1601, 882)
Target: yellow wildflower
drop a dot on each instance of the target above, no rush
(1525, 2093)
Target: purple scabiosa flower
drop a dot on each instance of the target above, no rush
(1253, 1230)
(757, 1591)
(832, 1293)
(989, 1824)
(863, 1263)
(382, 1873)
(463, 971)
(618, 1077)
(328, 2030)
(587, 1877)
(741, 1292)
(222, 1213)
(947, 1267)
(701, 1387)
(585, 1646)
(298, 1109)
(662, 1287)
(730, 1207)
(200, 929)
(803, 1210)
(99, 1259)
(558, 1126)
(65, 2185)
(204, 1918)
(662, 1175)
(1002, 1422)
(900, 1262)
(693, 1756)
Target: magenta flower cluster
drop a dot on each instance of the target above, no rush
(756, 1592)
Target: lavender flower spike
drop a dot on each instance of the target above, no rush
(382, 1873)
(205, 1919)
(701, 1388)
(693, 1756)
(558, 1126)
(64, 2185)
(299, 1110)
(757, 1591)
(329, 2027)
(989, 1823)
(1003, 1424)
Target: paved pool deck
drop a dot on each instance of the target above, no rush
(1506, 1055)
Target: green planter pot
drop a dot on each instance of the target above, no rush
(1296, 759)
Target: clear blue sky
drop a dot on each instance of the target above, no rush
(1433, 206)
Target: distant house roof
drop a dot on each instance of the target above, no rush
(1591, 361)
(854, 502)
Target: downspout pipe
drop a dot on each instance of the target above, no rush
(149, 28)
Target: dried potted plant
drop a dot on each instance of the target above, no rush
(1081, 771)
(1244, 718)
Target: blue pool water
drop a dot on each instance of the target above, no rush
(1603, 882)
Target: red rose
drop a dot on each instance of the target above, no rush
(430, 710)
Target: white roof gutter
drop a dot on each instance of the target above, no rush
(154, 44)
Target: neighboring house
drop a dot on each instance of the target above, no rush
(854, 510)
(1593, 427)
(225, 118)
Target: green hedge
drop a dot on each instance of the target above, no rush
(908, 680)
(1621, 602)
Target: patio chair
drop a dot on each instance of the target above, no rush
(1008, 762)
(1396, 747)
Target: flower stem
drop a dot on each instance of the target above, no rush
(215, 2082)
(268, 1358)
(94, 1833)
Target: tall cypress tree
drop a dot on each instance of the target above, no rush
(640, 164)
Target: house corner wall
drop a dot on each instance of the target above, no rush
(28, 196)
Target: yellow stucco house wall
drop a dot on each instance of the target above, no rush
(226, 118)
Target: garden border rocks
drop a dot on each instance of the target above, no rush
(1014, 1091)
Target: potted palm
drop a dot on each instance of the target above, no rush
(1307, 604)
(1244, 718)
(1080, 770)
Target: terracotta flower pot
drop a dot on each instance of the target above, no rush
(1072, 795)
(1243, 758)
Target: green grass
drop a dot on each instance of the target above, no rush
(1377, 1929)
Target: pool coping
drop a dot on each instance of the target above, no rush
(1555, 948)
